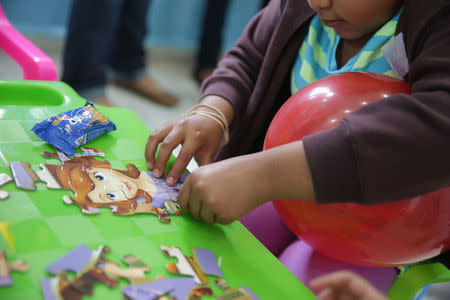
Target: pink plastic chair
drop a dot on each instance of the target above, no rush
(35, 64)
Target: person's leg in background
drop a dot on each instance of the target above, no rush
(264, 3)
(127, 57)
(90, 31)
(211, 38)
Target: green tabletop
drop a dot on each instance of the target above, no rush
(41, 227)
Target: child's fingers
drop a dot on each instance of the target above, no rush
(326, 294)
(170, 142)
(195, 206)
(184, 157)
(152, 144)
(195, 198)
(184, 195)
(206, 215)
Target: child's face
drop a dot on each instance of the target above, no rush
(354, 19)
(110, 186)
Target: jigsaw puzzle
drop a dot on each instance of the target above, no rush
(135, 273)
(85, 152)
(4, 179)
(6, 267)
(167, 288)
(231, 294)
(7, 235)
(202, 263)
(196, 267)
(90, 267)
(96, 184)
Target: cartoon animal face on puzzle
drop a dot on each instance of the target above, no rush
(96, 184)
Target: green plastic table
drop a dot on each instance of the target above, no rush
(43, 227)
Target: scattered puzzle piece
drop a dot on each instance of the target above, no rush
(202, 263)
(4, 195)
(90, 267)
(176, 288)
(7, 235)
(135, 273)
(23, 175)
(231, 294)
(96, 184)
(4, 179)
(6, 267)
(58, 288)
(85, 152)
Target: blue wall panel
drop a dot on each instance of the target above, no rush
(172, 23)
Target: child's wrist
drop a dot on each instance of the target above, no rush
(213, 113)
(221, 104)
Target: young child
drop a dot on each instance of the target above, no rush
(349, 163)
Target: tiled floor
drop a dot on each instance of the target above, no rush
(173, 70)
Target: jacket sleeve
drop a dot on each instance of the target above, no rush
(236, 74)
(398, 147)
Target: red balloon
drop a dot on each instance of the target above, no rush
(392, 234)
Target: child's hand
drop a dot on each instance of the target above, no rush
(344, 285)
(223, 191)
(199, 135)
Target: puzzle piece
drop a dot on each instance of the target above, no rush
(176, 288)
(4, 179)
(58, 288)
(231, 294)
(7, 235)
(23, 175)
(96, 184)
(202, 263)
(25, 178)
(90, 267)
(86, 151)
(6, 267)
(135, 273)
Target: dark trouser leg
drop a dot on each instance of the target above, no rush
(127, 55)
(90, 32)
(211, 38)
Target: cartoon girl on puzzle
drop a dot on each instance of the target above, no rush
(127, 192)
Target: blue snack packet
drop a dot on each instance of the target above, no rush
(73, 128)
